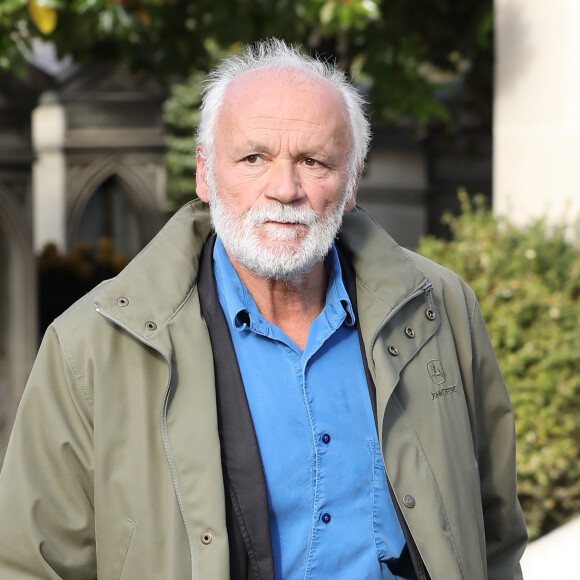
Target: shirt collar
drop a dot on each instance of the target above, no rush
(241, 309)
(337, 297)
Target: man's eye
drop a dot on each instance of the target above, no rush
(252, 159)
(310, 162)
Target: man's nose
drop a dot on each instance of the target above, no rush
(286, 185)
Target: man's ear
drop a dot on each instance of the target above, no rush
(201, 188)
(350, 204)
(352, 201)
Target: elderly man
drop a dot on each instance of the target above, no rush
(265, 402)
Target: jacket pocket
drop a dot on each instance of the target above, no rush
(123, 545)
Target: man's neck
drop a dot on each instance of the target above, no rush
(292, 307)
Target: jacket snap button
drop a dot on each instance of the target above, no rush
(410, 332)
(122, 301)
(409, 501)
(150, 325)
(393, 350)
(430, 313)
(206, 538)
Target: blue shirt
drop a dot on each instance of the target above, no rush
(331, 515)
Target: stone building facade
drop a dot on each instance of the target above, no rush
(81, 158)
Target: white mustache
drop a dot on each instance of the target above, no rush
(286, 214)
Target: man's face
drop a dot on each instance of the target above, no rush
(276, 186)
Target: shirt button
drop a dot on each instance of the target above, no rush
(325, 438)
(430, 313)
(409, 501)
(393, 350)
(326, 517)
(410, 332)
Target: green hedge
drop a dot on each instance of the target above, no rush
(527, 280)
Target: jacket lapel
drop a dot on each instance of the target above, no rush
(393, 294)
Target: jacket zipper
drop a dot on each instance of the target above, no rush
(427, 288)
(163, 421)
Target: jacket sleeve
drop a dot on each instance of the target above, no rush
(46, 483)
(505, 528)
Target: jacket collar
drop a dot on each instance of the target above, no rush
(382, 267)
(386, 275)
(149, 292)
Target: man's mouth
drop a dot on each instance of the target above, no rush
(283, 231)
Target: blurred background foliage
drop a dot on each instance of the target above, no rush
(527, 280)
(427, 63)
(181, 114)
(406, 53)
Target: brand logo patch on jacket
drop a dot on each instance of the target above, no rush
(443, 392)
(436, 372)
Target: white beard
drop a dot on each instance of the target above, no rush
(283, 260)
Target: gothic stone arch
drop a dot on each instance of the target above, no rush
(138, 188)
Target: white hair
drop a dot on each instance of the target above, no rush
(277, 55)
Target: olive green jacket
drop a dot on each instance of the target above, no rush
(113, 469)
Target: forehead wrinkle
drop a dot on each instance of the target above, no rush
(288, 137)
(272, 143)
(278, 130)
(279, 120)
